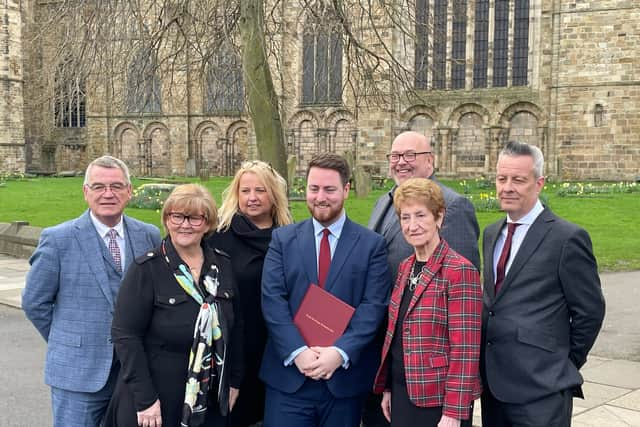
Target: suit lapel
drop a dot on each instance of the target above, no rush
(428, 272)
(379, 213)
(91, 247)
(307, 248)
(536, 233)
(347, 241)
(137, 242)
(492, 238)
(404, 270)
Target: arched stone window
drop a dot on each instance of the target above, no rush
(143, 83)
(524, 128)
(70, 99)
(440, 44)
(459, 44)
(481, 44)
(224, 86)
(501, 43)
(520, 43)
(423, 124)
(598, 115)
(422, 42)
(469, 144)
(322, 61)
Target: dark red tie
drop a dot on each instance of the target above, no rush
(504, 256)
(324, 259)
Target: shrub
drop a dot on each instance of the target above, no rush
(485, 202)
(298, 189)
(580, 189)
(151, 196)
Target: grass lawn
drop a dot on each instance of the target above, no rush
(611, 219)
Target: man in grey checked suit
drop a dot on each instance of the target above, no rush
(410, 157)
(71, 289)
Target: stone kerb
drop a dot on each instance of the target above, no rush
(18, 238)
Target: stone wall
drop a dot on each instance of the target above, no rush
(581, 106)
(12, 150)
(598, 91)
(18, 238)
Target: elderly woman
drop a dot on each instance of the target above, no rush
(429, 368)
(177, 328)
(254, 203)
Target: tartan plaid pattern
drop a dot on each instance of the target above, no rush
(441, 340)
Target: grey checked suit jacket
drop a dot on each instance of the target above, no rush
(539, 328)
(69, 299)
(460, 227)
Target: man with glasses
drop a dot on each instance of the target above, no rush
(71, 289)
(411, 156)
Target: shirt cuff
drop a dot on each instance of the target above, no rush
(345, 358)
(289, 360)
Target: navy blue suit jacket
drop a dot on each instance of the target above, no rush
(358, 275)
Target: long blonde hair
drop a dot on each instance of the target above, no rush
(276, 190)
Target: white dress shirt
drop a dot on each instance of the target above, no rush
(518, 236)
(103, 231)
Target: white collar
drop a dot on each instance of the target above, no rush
(103, 229)
(531, 216)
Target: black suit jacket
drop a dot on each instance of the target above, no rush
(538, 329)
(153, 332)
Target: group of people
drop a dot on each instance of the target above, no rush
(197, 328)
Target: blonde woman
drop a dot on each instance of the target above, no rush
(253, 205)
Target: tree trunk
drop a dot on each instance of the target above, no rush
(261, 95)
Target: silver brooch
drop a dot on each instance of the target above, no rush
(413, 278)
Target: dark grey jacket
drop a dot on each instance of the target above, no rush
(460, 227)
(538, 329)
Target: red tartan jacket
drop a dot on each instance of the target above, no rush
(441, 333)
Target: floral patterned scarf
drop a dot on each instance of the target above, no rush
(208, 351)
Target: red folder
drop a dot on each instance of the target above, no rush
(322, 317)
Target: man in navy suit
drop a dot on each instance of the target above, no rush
(322, 386)
(543, 306)
(71, 288)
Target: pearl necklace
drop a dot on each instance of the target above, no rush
(414, 277)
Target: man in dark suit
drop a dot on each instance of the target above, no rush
(322, 386)
(71, 288)
(543, 305)
(411, 157)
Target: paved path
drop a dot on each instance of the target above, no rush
(612, 374)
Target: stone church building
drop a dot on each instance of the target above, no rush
(563, 75)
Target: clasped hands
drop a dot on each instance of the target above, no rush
(318, 363)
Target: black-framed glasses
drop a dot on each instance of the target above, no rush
(177, 218)
(408, 156)
(115, 187)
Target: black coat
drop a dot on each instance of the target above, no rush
(247, 246)
(153, 331)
